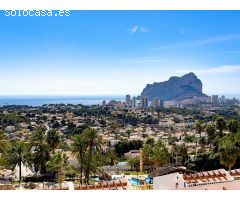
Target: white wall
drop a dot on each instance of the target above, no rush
(26, 171)
(168, 182)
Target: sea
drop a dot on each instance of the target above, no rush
(84, 100)
(41, 100)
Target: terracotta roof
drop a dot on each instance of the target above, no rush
(168, 170)
(232, 185)
(119, 184)
(7, 187)
(215, 176)
(235, 172)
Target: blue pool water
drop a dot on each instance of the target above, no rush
(148, 180)
(95, 178)
(136, 182)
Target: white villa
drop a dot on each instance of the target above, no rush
(172, 178)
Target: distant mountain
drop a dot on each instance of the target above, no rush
(176, 88)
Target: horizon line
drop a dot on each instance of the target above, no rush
(79, 95)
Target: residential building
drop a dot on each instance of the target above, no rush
(215, 99)
(132, 154)
(156, 102)
(209, 100)
(128, 98)
(171, 178)
(144, 102)
(134, 102)
(171, 103)
(223, 99)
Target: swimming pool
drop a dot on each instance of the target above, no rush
(148, 180)
(136, 182)
(95, 178)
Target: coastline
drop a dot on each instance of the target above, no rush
(41, 100)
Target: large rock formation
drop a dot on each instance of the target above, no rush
(176, 88)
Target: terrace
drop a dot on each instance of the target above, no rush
(235, 173)
(119, 184)
(209, 177)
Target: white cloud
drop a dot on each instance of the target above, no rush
(203, 41)
(138, 29)
(134, 29)
(144, 29)
(225, 69)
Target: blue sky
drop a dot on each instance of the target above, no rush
(118, 52)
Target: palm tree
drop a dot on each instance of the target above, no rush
(57, 164)
(4, 143)
(228, 156)
(53, 139)
(228, 151)
(40, 152)
(233, 126)
(211, 132)
(111, 157)
(93, 142)
(199, 127)
(146, 152)
(4, 146)
(79, 148)
(160, 155)
(18, 155)
(173, 154)
(202, 141)
(220, 123)
(182, 153)
(134, 163)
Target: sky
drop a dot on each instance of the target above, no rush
(118, 52)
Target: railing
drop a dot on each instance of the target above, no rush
(207, 183)
(143, 187)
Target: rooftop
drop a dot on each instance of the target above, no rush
(168, 170)
(215, 176)
(233, 185)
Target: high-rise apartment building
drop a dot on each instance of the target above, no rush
(144, 102)
(215, 99)
(128, 98)
(134, 102)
